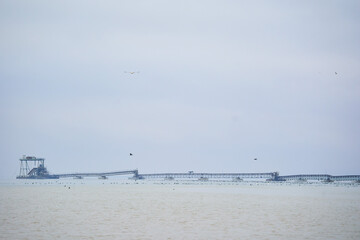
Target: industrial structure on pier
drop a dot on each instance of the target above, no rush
(34, 168)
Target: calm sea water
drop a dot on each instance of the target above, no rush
(120, 209)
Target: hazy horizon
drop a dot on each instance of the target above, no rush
(219, 84)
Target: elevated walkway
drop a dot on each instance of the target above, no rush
(101, 174)
(191, 175)
(319, 177)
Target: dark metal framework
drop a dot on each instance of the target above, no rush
(30, 167)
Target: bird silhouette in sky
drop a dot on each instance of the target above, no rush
(131, 154)
(255, 159)
(335, 73)
(132, 72)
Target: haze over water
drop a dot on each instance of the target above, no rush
(121, 209)
(215, 85)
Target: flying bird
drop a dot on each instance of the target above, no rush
(132, 72)
(255, 159)
(131, 154)
(335, 73)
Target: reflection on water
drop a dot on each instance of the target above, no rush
(84, 209)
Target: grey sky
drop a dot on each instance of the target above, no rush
(220, 83)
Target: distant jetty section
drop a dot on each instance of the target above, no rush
(34, 168)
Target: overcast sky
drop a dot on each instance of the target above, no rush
(220, 83)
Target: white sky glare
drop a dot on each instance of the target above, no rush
(220, 83)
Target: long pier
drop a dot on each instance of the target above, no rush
(101, 174)
(271, 176)
(318, 177)
(204, 176)
(34, 168)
